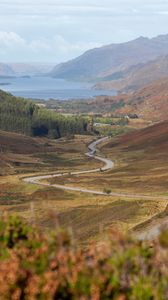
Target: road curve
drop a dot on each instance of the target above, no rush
(108, 164)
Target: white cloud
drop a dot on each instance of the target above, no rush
(10, 40)
(56, 48)
(61, 29)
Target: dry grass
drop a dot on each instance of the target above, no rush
(140, 168)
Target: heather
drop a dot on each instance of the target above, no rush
(35, 265)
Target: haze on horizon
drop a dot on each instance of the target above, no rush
(58, 30)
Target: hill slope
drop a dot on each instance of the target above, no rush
(101, 62)
(23, 116)
(16, 152)
(150, 103)
(142, 160)
(138, 76)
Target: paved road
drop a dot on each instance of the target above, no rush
(149, 233)
(108, 164)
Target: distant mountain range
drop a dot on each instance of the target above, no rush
(6, 70)
(110, 62)
(125, 67)
(23, 69)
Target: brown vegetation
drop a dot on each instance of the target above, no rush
(39, 266)
(140, 168)
(149, 103)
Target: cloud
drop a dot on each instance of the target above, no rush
(10, 39)
(62, 29)
(55, 48)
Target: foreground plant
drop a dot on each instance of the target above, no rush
(38, 266)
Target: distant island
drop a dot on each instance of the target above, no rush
(5, 83)
(25, 76)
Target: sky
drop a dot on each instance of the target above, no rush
(58, 30)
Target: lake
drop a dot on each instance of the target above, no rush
(49, 88)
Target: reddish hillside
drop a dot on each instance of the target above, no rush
(22, 144)
(155, 136)
(149, 103)
(17, 150)
(142, 160)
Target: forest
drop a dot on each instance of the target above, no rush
(24, 116)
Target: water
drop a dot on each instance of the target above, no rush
(49, 88)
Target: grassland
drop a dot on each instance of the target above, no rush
(140, 168)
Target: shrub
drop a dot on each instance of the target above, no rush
(107, 191)
(39, 266)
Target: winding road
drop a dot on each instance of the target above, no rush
(149, 233)
(108, 165)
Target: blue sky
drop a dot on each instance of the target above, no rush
(58, 30)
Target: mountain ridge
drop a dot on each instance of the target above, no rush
(106, 60)
(137, 76)
(23, 69)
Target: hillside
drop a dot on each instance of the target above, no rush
(149, 103)
(140, 167)
(16, 152)
(153, 137)
(138, 76)
(112, 59)
(21, 154)
(143, 159)
(23, 116)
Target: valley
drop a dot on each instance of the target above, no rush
(89, 216)
(48, 175)
(47, 178)
(83, 150)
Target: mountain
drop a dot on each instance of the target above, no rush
(112, 60)
(31, 69)
(23, 69)
(6, 70)
(137, 76)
